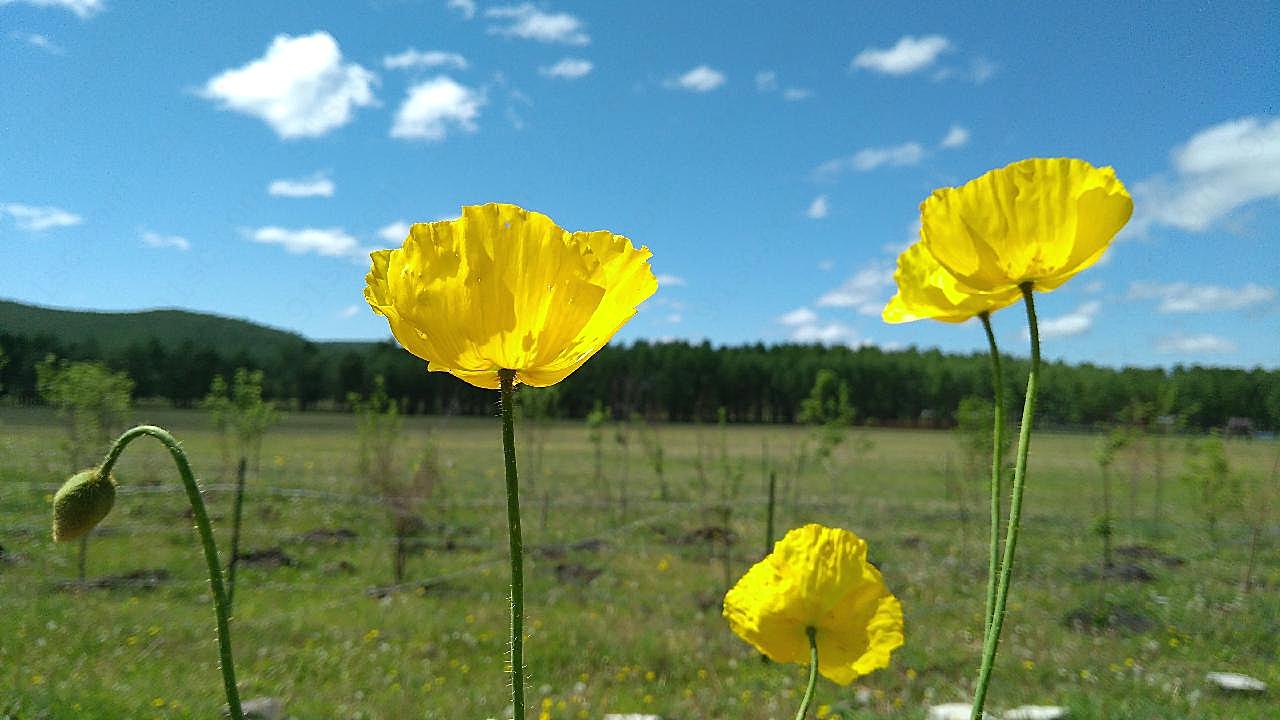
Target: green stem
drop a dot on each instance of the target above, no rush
(236, 515)
(220, 604)
(507, 378)
(992, 641)
(813, 673)
(997, 467)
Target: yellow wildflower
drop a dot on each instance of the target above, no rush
(928, 290)
(505, 288)
(818, 577)
(1039, 221)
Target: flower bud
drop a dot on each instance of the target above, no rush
(81, 503)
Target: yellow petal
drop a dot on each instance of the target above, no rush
(818, 577)
(1038, 220)
(928, 290)
(505, 288)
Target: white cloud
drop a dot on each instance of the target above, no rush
(700, 79)
(671, 281)
(156, 240)
(300, 87)
(818, 208)
(395, 232)
(865, 292)
(332, 242)
(907, 56)
(1181, 297)
(868, 159)
(977, 72)
(674, 318)
(434, 105)
(84, 9)
(528, 22)
(1218, 170)
(1195, 344)
(796, 94)
(466, 8)
(766, 81)
(826, 264)
(568, 68)
(39, 41)
(956, 137)
(349, 311)
(799, 316)
(414, 58)
(314, 186)
(1071, 324)
(827, 334)
(37, 218)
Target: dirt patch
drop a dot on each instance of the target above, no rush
(1107, 618)
(1121, 572)
(560, 550)
(708, 535)
(145, 579)
(911, 541)
(576, 574)
(1146, 552)
(327, 535)
(268, 557)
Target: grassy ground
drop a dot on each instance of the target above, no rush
(629, 624)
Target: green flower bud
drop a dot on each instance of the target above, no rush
(81, 503)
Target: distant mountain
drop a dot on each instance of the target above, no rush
(112, 332)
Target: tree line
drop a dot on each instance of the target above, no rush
(679, 381)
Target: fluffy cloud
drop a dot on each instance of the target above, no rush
(766, 81)
(1181, 297)
(671, 281)
(796, 94)
(414, 58)
(39, 41)
(36, 218)
(956, 137)
(798, 317)
(1218, 170)
(568, 68)
(868, 159)
(156, 240)
(300, 87)
(1071, 324)
(85, 9)
(465, 8)
(818, 209)
(866, 291)
(1203, 344)
(431, 107)
(700, 79)
(332, 242)
(826, 333)
(394, 232)
(528, 22)
(313, 186)
(908, 55)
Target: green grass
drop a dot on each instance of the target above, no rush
(646, 634)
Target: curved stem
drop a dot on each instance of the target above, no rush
(507, 378)
(220, 606)
(992, 642)
(813, 673)
(997, 466)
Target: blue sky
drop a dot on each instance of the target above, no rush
(243, 159)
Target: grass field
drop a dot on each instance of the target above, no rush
(627, 624)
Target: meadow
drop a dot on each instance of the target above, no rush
(623, 596)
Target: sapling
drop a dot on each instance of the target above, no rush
(241, 418)
(1104, 527)
(1216, 490)
(651, 443)
(535, 407)
(828, 408)
(595, 421)
(93, 401)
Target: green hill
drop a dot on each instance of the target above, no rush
(112, 332)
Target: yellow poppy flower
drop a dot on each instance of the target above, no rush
(505, 288)
(818, 577)
(928, 290)
(1040, 220)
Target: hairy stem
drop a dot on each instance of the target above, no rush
(221, 606)
(992, 642)
(997, 467)
(507, 378)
